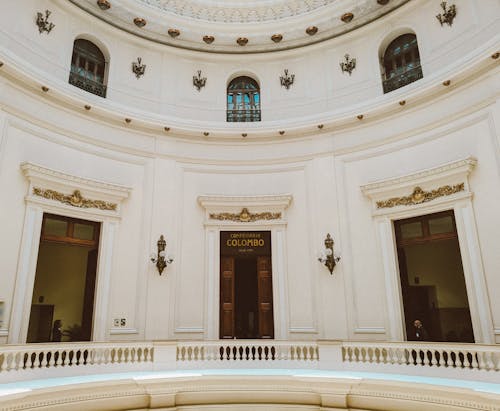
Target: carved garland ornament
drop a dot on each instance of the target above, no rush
(420, 196)
(75, 199)
(245, 216)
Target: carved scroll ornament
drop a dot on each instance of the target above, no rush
(420, 196)
(75, 199)
(245, 216)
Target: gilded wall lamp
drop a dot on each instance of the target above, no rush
(348, 65)
(199, 81)
(160, 259)
(327, 257)
(448, 15)
(138, 68)
(287, 80)
(43, 22)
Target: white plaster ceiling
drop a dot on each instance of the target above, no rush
(228, 20)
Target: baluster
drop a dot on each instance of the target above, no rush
(450, 361)
(466, 362)
(3, 362)
(433, 358)
(442, 362)
(475, 363)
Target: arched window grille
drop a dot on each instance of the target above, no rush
(243, 100)
(401, 62)
(88, 67)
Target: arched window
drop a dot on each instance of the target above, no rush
(243, 100)
(88, 67)
(401, 62)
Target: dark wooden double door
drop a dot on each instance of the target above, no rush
(246, 297)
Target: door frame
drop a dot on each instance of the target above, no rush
(460, 202)
(274, 205)
(36, 205)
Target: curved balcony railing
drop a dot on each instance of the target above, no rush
(402, 79)
(449, 360)
(86, 84)
(243, 115)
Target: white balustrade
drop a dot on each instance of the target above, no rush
(422, 354)
(50, 356)
(247, 351)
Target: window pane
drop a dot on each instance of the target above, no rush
(411, 230)
(54, 227)
(83, 231)
(441, 225)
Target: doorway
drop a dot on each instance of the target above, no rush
(246, 292)
(432, 278)
(63, 293)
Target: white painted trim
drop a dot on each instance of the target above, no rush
(449, 173)
(370, 330)
(123, 331)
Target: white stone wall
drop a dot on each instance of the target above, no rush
(323, 170)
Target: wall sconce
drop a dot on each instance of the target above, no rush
(160, 258)
(348, 65)
(199, 81)
(43, 22)
(327, 257)
(448, 15)
(287, 80)
(138, 68)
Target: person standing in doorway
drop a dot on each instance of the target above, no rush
(57, 331)
(420, 333)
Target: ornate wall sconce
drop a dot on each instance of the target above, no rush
(448, 15)
(287, 80)
(160, 259)
(348, 65)
(43, 22)
(327, 257)
(138, 68)
(199, 81)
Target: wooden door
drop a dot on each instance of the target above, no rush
(227, 297)
(88, 299)
(265, 299)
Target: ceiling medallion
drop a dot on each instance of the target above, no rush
(208, 39)
(174, 33)
(104, 4)
(277, 38)
(242, 41)
(347, 17)
(312, 30)
(420, 196)
(139, 22)
(382, 2)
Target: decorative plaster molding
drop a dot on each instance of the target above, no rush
(244, 209)
(420, 196)
(442, 181)
(75, 199)
(65, 190)
(245, 216)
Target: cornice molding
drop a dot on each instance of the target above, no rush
(59, 189)
(426, 186)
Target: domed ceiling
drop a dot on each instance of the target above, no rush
(238, 26)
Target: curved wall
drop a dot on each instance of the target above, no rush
(323, 170)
